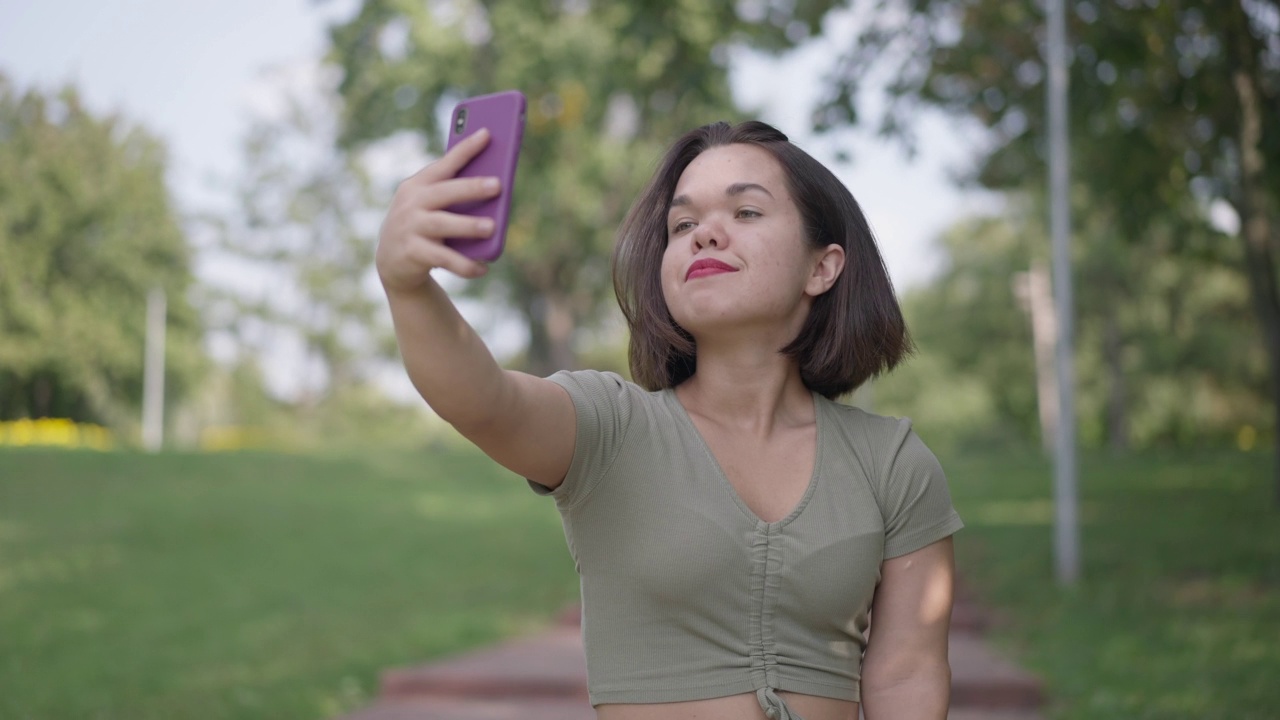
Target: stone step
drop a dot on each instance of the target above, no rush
(967, 614)
(968, 617)
(981, 714)
(551, 665)
(548, 665)
(444, 708)
(982, 679)
(546, 709)
(544, 676)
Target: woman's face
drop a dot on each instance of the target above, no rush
(737, 258)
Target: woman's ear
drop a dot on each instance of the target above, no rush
(827, 269)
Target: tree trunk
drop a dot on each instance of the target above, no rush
(551, 326)
(1117, 402)
(1034, 290)
(1252, 206)
(42, 396)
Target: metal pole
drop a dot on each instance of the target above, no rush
(1066, 525)
(153, 373)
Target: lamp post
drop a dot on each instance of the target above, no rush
(153, 373)
(1066, 523)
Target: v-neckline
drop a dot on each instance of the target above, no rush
(819, 427)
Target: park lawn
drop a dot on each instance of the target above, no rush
(1177, 614)
(256, 585)
(276, 586)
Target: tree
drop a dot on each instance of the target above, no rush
(610, 83)
(305, 220)
(1176, 332)
(87, 228)
(1175, 108)
(972, 380)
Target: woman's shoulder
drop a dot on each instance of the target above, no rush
(863, 423)
(608, 389)
(880, 442)
(604, 380)
(905, 476)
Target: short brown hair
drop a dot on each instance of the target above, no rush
(854, 331)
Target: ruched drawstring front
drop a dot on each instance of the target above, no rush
(774, 707)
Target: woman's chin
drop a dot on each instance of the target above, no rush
(710, 319)
(728, 324)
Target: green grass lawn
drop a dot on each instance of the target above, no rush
(272, 586)
(1178, 611)
(256, 585)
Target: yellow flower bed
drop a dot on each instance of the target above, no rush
(55, 432)
(223, 438)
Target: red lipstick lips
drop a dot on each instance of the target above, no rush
(706, 267)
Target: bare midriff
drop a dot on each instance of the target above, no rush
(733, 707)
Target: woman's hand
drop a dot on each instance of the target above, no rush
(411, 242)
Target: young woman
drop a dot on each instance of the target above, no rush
(735, 529)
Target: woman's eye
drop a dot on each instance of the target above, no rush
(681, 226)
(748, 213)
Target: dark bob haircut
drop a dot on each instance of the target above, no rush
(854, 331)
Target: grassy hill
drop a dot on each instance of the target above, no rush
(1177, 614)
(256, 585)
(275, 586)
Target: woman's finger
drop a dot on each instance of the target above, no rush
(449, 164)
(446, 193)
(438, 224)
(434, 255)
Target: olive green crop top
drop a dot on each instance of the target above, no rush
(687, 595)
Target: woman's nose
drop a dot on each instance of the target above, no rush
(709, 234)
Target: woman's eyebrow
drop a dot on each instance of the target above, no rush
(734, 189)
(739, 188)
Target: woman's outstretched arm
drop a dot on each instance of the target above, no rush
(525, 423)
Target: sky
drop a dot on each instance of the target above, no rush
(193, 73)
(185, 70)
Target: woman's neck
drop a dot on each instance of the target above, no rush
(750, 388)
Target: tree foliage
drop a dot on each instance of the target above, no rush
(304, 221)
(1165, 354)
(1155, 112)
(609, 83)
(87, 228)
(1174, 112)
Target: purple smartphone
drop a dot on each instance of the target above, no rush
(503, 114)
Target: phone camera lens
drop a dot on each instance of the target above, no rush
(460, 123)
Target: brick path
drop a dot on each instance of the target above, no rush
(544, 677)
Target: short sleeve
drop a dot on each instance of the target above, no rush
(914, 496)
(602, 402)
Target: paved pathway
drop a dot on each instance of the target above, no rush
(544, 677)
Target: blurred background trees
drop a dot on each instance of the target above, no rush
(306, 217)
(1167, 356)
(1176, 165)
(87, 228)
(1175, 158)
(609, 84)
(303, 227)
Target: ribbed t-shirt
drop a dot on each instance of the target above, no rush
(687, 594)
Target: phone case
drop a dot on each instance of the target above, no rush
(503, 114)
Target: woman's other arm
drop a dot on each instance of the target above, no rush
(525, 423)
(905, 672)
